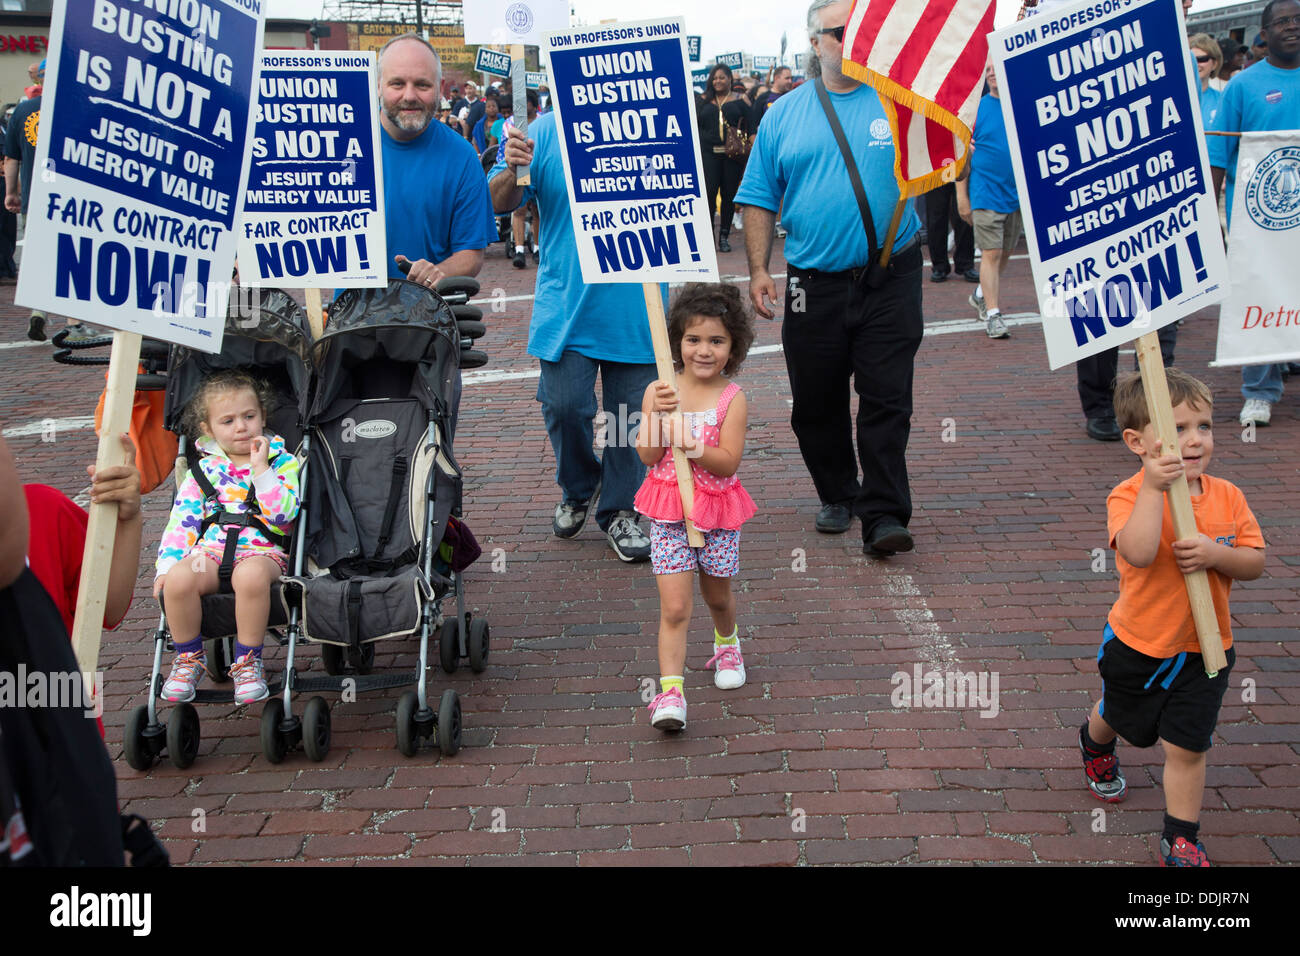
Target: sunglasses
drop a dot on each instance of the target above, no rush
(836, 32)
(1204, 59)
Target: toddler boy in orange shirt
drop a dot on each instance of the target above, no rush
(1154, 684)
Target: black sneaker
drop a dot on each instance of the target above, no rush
(888, 537)
(1102, 774)
(834, 519)
(1104, 428)
(36, 327)
(571, 516)
(519, 257)
(627, 539)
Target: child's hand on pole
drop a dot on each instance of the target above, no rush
(1193, 554)
(120, 483)
(665, 398)
(1162, 470)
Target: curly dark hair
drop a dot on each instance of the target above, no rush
(227, 380)
(710, 93)
(711, 300)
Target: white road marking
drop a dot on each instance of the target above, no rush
(919, 620)
(56, 425)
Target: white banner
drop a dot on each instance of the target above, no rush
(514, 21)
(1259, 321)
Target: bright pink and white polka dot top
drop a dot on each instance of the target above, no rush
(719, 502)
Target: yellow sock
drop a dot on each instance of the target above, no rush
(720, 641)
(668, 683)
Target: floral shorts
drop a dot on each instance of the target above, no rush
(241, 555)
(670, 554)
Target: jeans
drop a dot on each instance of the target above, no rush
(1262, 381)
(567, 391)
(847, 332)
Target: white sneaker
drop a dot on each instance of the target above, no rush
(668, 711)
(1255, 410)
(980, 306)
(250, 685)
(730, 671)
(186, 670)
(996, 328)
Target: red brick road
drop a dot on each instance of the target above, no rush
(810, 762)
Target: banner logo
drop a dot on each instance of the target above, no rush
(1273, 193)
(519, 18)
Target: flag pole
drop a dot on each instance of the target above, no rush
(894, 223)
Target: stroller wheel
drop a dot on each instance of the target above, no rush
(479, 635)
(139, 755)
(449, 646)
(183, 735)
(449, 723)
(469, 329)
(218, 661)
(408, 738)
(457, 285)
(473, 358)
(331, 656)
(316, 729)
(273, 743)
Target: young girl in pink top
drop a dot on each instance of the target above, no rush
(710, 334)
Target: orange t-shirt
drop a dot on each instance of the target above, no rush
(1153, 614)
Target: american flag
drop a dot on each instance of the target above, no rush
(927, 58)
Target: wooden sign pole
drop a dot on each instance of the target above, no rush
(92, 590)
(519, 95)
(654, 306)
(894, 223)
(315, 317)
(1156, 389)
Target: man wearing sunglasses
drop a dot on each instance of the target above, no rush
(1264, 97)
(841, 322)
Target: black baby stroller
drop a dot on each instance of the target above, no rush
(266, 334)
(384, 486)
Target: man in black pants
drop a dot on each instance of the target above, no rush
(940, 210)
(839, 326)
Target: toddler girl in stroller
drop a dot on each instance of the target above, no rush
(246, 482)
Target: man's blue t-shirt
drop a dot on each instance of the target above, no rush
(1263, 97)
(606, 321)
(992, 177)
(795, 158)
(436, 200)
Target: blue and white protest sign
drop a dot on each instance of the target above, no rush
(734, 60)
(693, 49)
(533, 80)
(1105, 133)
(492, 61)
(626, 117)
(699, 79)
(145, 123)
(764, 62)
(314, 207)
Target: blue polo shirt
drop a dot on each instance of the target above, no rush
(992, 177)
(604, 321)
(435, 197)
(795, 159)
(1263, 97)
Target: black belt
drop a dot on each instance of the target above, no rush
(900, 262)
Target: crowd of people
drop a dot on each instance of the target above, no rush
(777, 151)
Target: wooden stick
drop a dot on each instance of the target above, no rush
(92, 590)
(654, 306)
(315, 317)
(1160, 407)
(519, 95)
(888, 250)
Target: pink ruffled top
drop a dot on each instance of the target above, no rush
(719, 502)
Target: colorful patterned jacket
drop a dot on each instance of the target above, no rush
(277, 496)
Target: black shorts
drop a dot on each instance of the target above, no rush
(1146, 698)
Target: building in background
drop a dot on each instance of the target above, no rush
(1239, 21)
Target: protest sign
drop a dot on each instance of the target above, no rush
(693, 49)
(699, 79)
(313, 210)
(764, 62)
(1109, 155)
(511, 21)
(626, 118)
(734, 60)
(492, 61)
(145, 123)
(534, 80)
(1259, 321)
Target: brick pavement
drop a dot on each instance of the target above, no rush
(809, 763)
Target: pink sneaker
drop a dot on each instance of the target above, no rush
(186, 671)
(250, 685)
(730, 671)
(668, 711)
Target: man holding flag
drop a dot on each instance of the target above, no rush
(846, 317)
